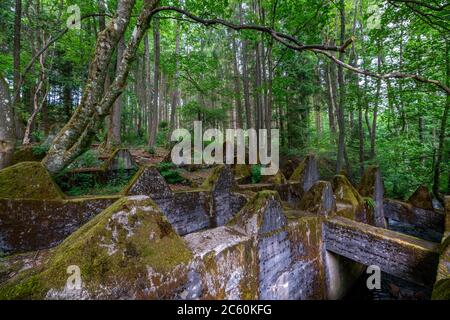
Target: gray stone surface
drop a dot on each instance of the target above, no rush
(402, 256)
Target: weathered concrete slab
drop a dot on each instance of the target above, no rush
(28, 180)
(225, 202)
(422, 198)
(287, 268)
(441, 289)
(306, 173)
(407, 213)
(148, 181)
(121, 159)
(188, 212)
(129, 251)
(403, 256)
(372, 186)
(224, 265)
(349, 202)
(286, 191)
(27, 225)
(319, 199)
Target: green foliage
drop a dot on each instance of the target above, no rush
(369, 202)
(89, 159)
(170, 173)
(256, 173)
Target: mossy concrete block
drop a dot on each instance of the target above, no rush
(305, 237)
(188, 212)
(349, 203)
(372, 186)
(406, 213)
(224, 265)
(284, 273)
(28, 180)
(121, 159)
(27, 225)
(225, 202)
(148, 181)
(306, 173)
(403, 256)
(26, 154)
(129, 251)
(319, 199)
(422, 198)
(441, 289)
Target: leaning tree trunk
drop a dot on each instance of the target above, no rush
(77, 134)
(7, 127)
(442, 134)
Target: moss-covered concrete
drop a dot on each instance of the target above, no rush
(319, 199)
(441, 289)
(28, 180)
(26, 154)
(349, 203)
(129, 251)
(421, 198)
(27, 225)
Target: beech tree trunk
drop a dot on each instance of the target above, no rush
(175, 93)
(115, 117)
(77, 134)
(340, 111)
(442, 134)
(153, 123)
(7, 128)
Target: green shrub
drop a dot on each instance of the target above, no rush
(170, 173)
(256, 173)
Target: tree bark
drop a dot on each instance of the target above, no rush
(7, 125)
(340, 113)
(175, 93)
(115, 117)
(245, 77)
(442, 134)
(155, 107)
(16, 68)
(77, 134)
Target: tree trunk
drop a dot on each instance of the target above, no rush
(7, 125)
(442, 134)
(175, 93)
(341, 120)
(155, 106)
(16, 66)
(237, 86)
(115, 117)
(245, 78)
(77, 134)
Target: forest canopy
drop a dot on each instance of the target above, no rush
(357, 82)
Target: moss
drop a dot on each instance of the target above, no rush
(277, 179)
(26, 154)
(421, 198)
(256, 205)
(241, 171)
(367, 185)
(298, 172)
(209, 183)
(28, 180)
(441, 290)
(109, 250)
(315, 200)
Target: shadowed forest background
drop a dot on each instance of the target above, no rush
(185, 71)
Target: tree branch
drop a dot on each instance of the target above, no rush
(294, 44)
